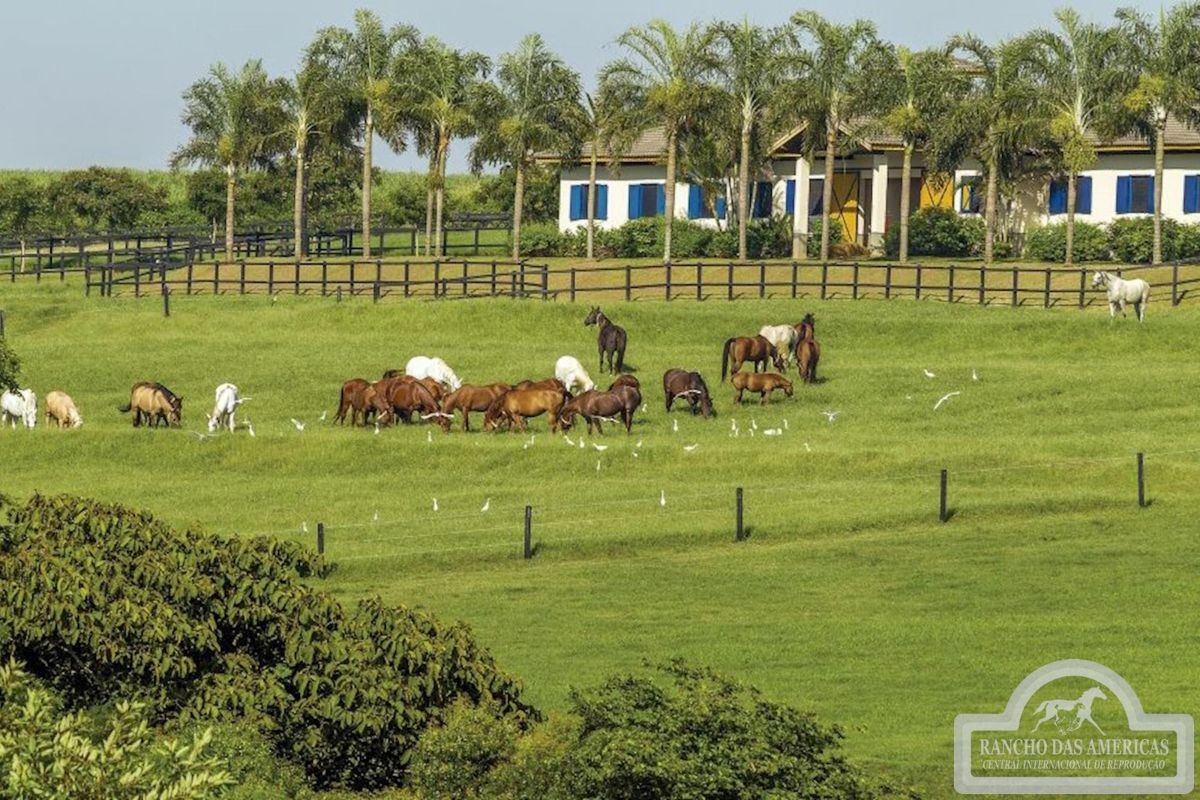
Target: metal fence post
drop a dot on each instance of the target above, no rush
(741, 530)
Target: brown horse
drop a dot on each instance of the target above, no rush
(403, 398)
(808, 353)
(755, 349)
(625, 380)
(155, 402)
(468, 398)
(518, 405)
(545, 383)
(610, 341)
(597, 407)
(361, 398)
(805, 328)
(763, 383)
(681, 383)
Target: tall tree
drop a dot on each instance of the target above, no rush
(842, 78)
(531, 107)
(669, 72)
(1083, 77)
(437, 86)
(365, 58)
(22, 209)
(752, 63)
(1164, 58)
(923, 88)
(236, 119)
(611, 119)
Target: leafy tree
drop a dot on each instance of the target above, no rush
(47, 752)
(22, 209)
(103, 199)
(10, 366)
(1082, 72)
(842, 72)
(438, 85)
(365, 57)
(530, 108)
(668, 73)
(236, 120)
(1163, 59)
(611, 120)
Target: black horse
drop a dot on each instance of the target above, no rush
(689, 385)
(611, 340)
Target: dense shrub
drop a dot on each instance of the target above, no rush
(542, 240)
(938, 232)
(1049, 243)
(102, 602)
(1132, 239)
(452, 760)
(10, 366)
(1187, 241)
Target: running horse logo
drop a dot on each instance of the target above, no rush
(1069, 715)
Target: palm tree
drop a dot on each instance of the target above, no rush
(365, 58)
(530, 108)
(923, 89)
(842, 81)
(236, 119)
(1082, 75)
(668, 71)
(437, 85)
(1164, 59)
(611, 120)
(752, 66)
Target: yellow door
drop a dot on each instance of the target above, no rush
(937, 191)
(845, 204)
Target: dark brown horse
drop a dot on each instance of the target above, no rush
(156, 403)
(805, 328)
(468, 398)
(403, 398)
(515, 406)
(361, 398)
(808, 354)
(755, 349)
(597, 407)
(679, 383)
(625, 380)
(611, 340)
(763, 383)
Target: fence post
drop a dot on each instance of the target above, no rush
(437, 275)
(494, 278)
(762, 279)
(1016, 277)
(324, 278)
(216, 279)
(512, 279)
(1141, 472)
(887, 282)
(824, 278)
(982, 285)
(320, 538)
(528, 532)
(699, 281)
(1047, 289)
(943, 511)
(1175, 284)
(87, 281)
(406, 276)
(339, 293)
(572, 284)
(466, 273)
(795, 275)
(668, 284)
(545, 283)
(950, 290)
(375, 291)
(920, 270)
(1082, 286)
(854, 288)
(166, 295)
(741, 530)
(628, 287)
(137, 280)
(270, 277)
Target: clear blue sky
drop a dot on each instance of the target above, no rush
(86, 82)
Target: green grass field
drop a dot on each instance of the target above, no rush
(849, 597)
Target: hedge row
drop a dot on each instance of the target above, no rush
(1129, 241)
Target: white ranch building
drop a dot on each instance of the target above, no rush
(866, 188)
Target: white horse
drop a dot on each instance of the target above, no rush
(1121, 292)
(423, 367)
(568, 370)
(783, 337)
(1077, 711)
(225, 408)
(19, 406)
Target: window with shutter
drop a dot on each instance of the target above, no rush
(695, 201)
(1058, 197)
(789, 197)
(602, 201)
(635, 200)
(1083, 195)
(1191, 194)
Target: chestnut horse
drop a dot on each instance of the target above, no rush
(805, 328)
(755, 349)
(625, 380)
(359, 397)
(545, 383)
(596, 407)
(679, 383)
(808, 354)
(468, 398)
(611, 340)
(520, 404)
(763, 383)
(405, 397)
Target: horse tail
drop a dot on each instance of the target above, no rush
(725, 358)
(621, 356)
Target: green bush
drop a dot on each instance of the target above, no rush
(689, 240)
(814, 236)
(1187, 241)
(205, 628)
(541, 240)
(723, 244)
(938, 232)
(452, 760)
(1049, 243)
(1132, 239)
(10, 366)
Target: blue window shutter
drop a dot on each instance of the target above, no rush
(662, 199)
(789, 197)
(1058, 197)
(1191, 194)
(602, 201)
(1083, 195)
(578, 205)
(695, 202)
(635, 201)
(1150, 196)
(1124, 194)
(721, 207)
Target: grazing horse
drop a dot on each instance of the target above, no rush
(573, 376)
(545, 383)
(597, 407)
(782, 336)
(763, 383)
(515, 406)
(224, 413)
(611, 340)
(679, 383)
(19, 405)
(755, 349)
(60, 408)
(402, 398)
(808, 355)
(1121, 292)
(468, 398)
(423, 367)
(360, 397)
(625, 380)
(156, 402)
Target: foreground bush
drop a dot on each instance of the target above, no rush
(1049, 243)
(102, 602)
(938, 232)
(1132, 239)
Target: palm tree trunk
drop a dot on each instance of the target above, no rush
(591, 206)
(827, 191)
(230, 191)
(672, 146)
(518, 202)
(1159, 156)
(440, 196)
(905, 199)
(744, 187)
(23, 248)
(989, 210)
(429, 212)
(1072, 180)
(299, 233)
(368, 137)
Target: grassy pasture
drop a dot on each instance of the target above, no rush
(848, 598)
